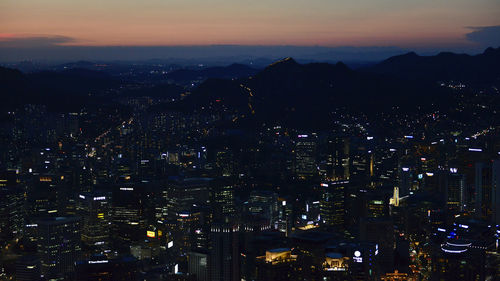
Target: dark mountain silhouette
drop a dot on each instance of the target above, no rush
(76, 80)
(306, 95)
(232, 71)
(479, 69)
(63, 90)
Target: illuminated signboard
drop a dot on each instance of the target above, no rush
(357, 256)
(150, 234)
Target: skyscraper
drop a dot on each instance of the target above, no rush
(95, 211)
(224, 257)
(332, 203)
(495, 192)
(59, 245)
(305, 156)
(483, 189)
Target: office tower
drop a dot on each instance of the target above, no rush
(59, 245)
(28, 268)
(338, 158)
(224, 162)
(360, 159)
(12, 212)
(483, 190)
(454, 189)
(183, 194)
(264, 204)
(404, 182)
(495, 192)
(305, 156)
(43, 197)
(222, 193)
(332, 204)
(95, 210)
(127, 215)
(380, 231)
(198, 264)
(224, 258)
(377, 204)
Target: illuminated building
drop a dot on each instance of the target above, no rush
(454, 190)
(277, 264)
(95, 210)
(59, 245)
(332, 204)
(183, 194)
(264, 204)
(338, 158)
(377, 204)
(198, 264)
(225, 162)
(12, 211)
(128, 219)
(458, 260)
(305, 157)
(43, 197)
(395, 276)
(336, 267)
(394, 201)
(222, 198)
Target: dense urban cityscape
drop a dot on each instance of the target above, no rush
(162, 172)
(236, 140)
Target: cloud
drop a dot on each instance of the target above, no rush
(486, 36)
(23, 41)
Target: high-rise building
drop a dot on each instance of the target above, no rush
(95, 210)
(404, 181)
(198, 265)
(28, 268)
(59, 245)
(454, 190)
(305, 156)
(128, 219)
(380, 231)
(483, 189)
(338, 158)
(222, 193)
(495, 192)
(224, 257)
(332, 204)
(11, 207)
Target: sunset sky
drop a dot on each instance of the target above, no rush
(445, 24)
(257, 22)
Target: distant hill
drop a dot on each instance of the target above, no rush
(479, 69)
(66, 90)
(306, 94)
